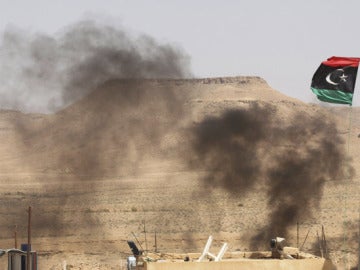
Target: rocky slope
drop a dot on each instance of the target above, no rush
(224, 156)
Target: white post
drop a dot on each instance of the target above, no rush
(206, 249)
(221, 252)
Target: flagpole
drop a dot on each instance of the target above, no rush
(345, 197)
(355, 88)
(334, 82)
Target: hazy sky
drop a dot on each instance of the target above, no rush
(282, 41)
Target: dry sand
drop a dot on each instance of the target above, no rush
(115, 165)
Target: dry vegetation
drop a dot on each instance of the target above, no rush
(116, 164)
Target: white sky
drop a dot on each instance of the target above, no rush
(282, 41)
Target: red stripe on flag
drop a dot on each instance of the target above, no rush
(336, 61)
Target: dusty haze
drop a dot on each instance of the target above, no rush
(128, 145)
(228, 158)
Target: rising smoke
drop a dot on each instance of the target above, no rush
(107, 119)
(43, 73)
(248, 147)
(121, 113)
(228, 147)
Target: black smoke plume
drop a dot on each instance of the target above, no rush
(247, 147)
(107, 110)
(227, 147)
(44, 73)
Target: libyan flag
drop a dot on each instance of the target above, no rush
(334, 80)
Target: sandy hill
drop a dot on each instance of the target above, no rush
(188, 158)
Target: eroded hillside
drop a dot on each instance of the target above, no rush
(224, 156)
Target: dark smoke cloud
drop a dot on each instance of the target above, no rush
(123, 122)
(248, 147)
(227, 147)
(43, 73)
(120, 113)
(118, 119)
(297, 177)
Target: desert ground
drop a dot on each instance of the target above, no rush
(166, 163)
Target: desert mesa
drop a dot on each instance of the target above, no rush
(170, 162)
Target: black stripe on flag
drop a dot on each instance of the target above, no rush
(335, 78)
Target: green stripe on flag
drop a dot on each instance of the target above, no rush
(333, 96)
